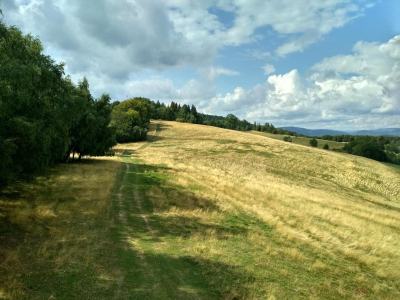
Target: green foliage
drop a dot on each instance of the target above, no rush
(176, 112)
(40, 108)
(131, 119)
(313, 142)
(393, 145)
(287, 139)
(381, 148)
(366, 146)
(90, 132)
(34, 106)
(326, 147)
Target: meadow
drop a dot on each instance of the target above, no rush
(333, 145)
(199, 212)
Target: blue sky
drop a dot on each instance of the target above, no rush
(316, 64)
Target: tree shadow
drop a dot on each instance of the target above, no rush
(158, 276)
(159, 195)
(157, 183)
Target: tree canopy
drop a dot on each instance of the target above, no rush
(41, 110)
(131, 119)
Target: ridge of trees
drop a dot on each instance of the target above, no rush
(188, 114)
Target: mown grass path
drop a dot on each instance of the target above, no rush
(145, 272)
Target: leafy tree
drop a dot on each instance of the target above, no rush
(231, 122)
(393, 146)
(91, 134)
(313, 142)
(35, 106)
(131, 120)
(367, 147)
(326, 147)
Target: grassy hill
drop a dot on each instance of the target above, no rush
(199, 212)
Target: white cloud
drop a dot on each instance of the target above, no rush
(113, 42)
(358, 91)
(268, 69)
(211, 74)
(118, 38)
(363, 91)
(257, 54)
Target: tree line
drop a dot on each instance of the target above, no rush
(44, 116)
(380, 148)
(188, 114)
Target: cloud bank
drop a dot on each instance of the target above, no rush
(114, 43)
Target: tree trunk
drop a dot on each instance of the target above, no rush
(80, 156)
(67, 156)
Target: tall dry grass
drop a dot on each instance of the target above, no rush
(338, 214)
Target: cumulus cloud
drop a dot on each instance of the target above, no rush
(343, 92)
(115, 38)
(115, 42)
(352, 90)
(118, 38)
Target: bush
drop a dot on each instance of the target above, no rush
(313, 142)
(326, 147)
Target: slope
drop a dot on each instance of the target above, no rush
(199, 212)
(277, 219)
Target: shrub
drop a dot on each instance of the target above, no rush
(326, 147)
(313, 142)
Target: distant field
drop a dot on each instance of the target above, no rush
(199, 212)
(302, 140)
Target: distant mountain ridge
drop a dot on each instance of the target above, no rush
(377, 132)
(321, 132)
(314, 132)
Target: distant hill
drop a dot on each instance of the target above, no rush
(321, 132)
(376, 132)
(314, 132)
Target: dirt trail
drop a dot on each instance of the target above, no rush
(146, 273)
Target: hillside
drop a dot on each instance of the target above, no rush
(199, 212)
(305, 141)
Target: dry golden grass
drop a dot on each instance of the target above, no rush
(53, 227)
(338, 214)
(201, 212)
(303, 140)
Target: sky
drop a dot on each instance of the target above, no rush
(308, 63)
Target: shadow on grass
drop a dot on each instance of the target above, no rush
(160, 275)
(104, 265)
(157, 276)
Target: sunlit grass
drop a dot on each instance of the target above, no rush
(199, 212)
(312, 224)
(302, 140)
